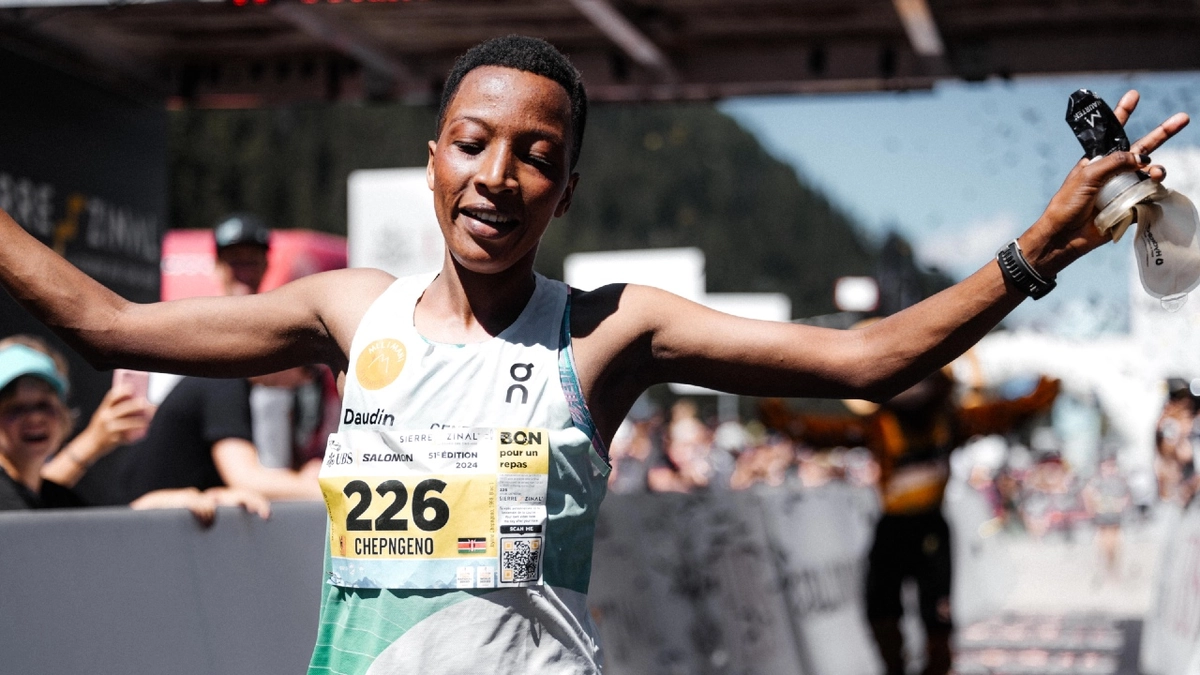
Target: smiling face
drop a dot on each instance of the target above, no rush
(500, 168)
(33, 421)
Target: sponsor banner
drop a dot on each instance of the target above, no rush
(821, 538)
(687, 584)
(763, 581)
(83, 170)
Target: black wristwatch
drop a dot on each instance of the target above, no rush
(1021, 273)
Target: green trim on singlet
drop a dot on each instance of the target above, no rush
(374, 619)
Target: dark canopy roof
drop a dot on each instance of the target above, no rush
(247, 52)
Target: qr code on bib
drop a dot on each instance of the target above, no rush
(520, 559)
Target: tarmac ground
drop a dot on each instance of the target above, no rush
(1062, 612)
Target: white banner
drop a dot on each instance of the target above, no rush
(391, 223)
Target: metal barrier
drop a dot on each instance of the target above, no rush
(764, 581)
(105, 591)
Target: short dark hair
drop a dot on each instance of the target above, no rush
(532, 55)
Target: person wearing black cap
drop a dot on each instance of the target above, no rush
(242, 244)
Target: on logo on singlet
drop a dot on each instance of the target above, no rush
(520, 373)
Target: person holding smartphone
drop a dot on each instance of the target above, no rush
(35, 422)
(39, 472)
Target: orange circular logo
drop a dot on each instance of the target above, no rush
(380, 363)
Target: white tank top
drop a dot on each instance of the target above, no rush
(418, 396)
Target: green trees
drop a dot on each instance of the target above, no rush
(652, 176)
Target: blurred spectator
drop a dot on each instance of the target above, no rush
(911, 436)
(635, 448)
(1107, 496)
(293, 411)
(729, 440)
(242, 245)
(688, 464)
(1049, 498)
(767, 462)
(243, 242)
(201, 438)
(1175, 439)
(292, 414)
(34, 422)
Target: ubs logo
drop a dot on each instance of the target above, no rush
(520, 372)
(339, 459)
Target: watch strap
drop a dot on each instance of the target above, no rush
(1022, 275)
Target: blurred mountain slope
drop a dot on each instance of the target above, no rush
(651, 176)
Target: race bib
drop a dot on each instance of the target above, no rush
(436, 508)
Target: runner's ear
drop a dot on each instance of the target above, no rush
(429, 164)
(564, 202)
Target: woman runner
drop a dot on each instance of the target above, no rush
(464, 481)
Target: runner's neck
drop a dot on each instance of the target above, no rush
(462, 307)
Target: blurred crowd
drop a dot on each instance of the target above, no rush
(1021, 470)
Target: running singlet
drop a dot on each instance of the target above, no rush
(463, 485)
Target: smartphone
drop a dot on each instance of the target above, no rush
(137, 382)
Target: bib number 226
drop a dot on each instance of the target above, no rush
(429, 513)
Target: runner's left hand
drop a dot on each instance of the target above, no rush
(1066, 231)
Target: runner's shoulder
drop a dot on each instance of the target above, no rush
(625, 309)
(341, 297)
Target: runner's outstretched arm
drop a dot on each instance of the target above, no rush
(630, 337)
(307, 321)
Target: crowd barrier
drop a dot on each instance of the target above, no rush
(747, 582)
(762, 581)
(115, 591)
(1171, 632)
